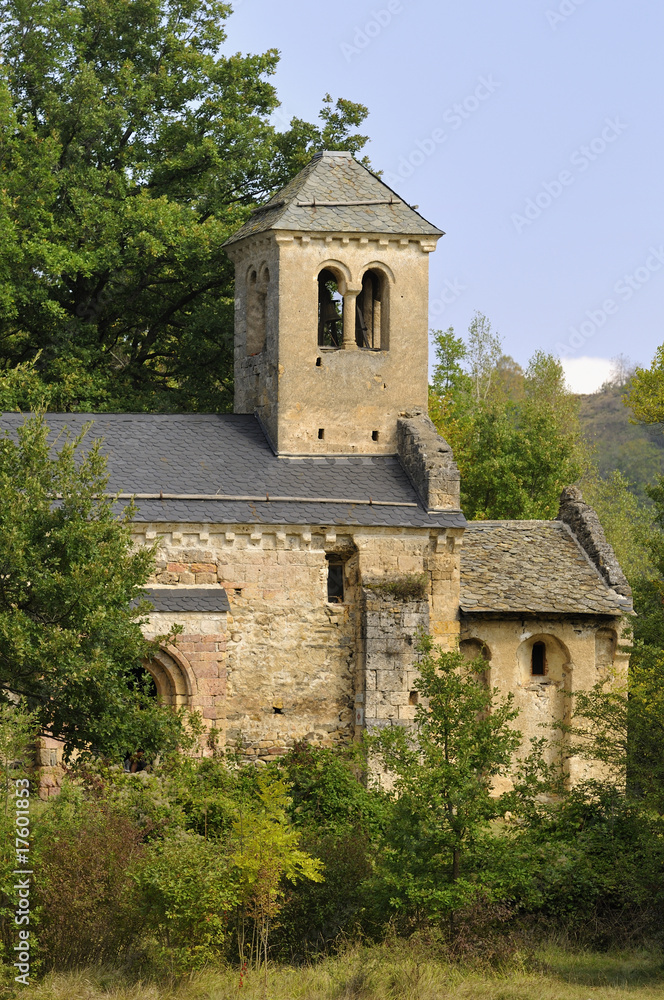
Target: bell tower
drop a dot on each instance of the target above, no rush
(331, 311)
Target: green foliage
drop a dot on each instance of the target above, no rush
(618, 442)
(187, 892)
(514, 435)
(328, 790)
(404, 588)
(131, 148)
(69, 641)
(646, 393)
(85, 854)
(443, 773)
(627, 522)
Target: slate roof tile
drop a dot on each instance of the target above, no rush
(190, 455)
(331, 180)
(531, 566)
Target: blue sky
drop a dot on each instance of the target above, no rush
(531, 132)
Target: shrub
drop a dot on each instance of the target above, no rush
(85, 855)
(188, 892)
(404, 588)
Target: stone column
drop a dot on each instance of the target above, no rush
(350, 306)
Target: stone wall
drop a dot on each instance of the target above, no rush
(579, 653)
(299, 389)
(428, 460)
(389, 633)
(292, 665)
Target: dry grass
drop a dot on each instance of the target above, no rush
(395, 971)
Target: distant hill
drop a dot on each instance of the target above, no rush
(636, 450)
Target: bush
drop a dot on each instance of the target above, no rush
(85, 856)
(188, 892)
(404, 588)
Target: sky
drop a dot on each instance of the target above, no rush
(529, 131)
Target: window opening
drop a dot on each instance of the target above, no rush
(414, 698)
(257, 312)
(368, 313)
(330, 311)
(538, 659)
(319, 362)
(374, 435)
(335, 581)
(321, 433)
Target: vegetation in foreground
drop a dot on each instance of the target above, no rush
(394, 970)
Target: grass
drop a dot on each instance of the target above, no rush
(392, 971)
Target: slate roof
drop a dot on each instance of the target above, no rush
(336, 194)
(531, 567)
(208, 468)
(198, 599)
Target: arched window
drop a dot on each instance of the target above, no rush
(330, 311)
(369, 313)
(538, 660)
(257, 311)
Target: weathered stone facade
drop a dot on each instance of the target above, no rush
(281, 528)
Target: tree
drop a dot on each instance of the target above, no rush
(515, 435)
(130, 150)
(646, 393)
(444, 771)
(71, 644)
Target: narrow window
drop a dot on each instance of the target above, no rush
(330, 311)
(257, 311)
(413, 698)
(539, 659)
(368, 313)
(321, 433)
(335, 580)
(374, 435)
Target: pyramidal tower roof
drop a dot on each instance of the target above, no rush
(336, 194)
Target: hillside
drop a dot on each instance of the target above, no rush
(636, 450)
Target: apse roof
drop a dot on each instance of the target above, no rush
(531, 567)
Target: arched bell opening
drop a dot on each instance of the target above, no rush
(330, 310)
(371, 312)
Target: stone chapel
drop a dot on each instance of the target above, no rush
(304, 539)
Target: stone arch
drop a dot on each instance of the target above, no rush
(556, 660)
(173, 677)
(340, 271)
(475, 649)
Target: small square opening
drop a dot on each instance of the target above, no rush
(321, 433)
